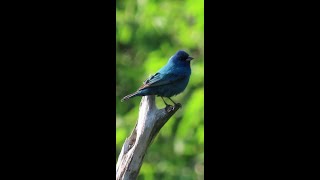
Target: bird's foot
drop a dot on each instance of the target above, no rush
(169, 108)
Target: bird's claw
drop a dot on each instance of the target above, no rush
(169, 108)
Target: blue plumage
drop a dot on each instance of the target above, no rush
(170, 80)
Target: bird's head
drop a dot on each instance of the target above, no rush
(181, 57)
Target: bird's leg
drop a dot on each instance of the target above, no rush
(168, 107)
(164, 101)
(176, 104)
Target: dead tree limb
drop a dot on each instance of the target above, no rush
(149, 123)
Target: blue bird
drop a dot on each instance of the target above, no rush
(169, 81)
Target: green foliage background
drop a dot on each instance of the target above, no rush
(148, 33)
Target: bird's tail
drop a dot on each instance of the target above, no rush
(129, 96)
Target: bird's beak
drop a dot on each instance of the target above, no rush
(189, 58)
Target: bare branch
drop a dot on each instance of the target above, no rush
(149, 123)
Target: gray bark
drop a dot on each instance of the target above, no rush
(149, 123)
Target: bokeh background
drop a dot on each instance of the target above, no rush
(148, 33)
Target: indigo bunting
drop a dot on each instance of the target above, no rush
(170, 80)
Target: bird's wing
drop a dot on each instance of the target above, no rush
(160, 79)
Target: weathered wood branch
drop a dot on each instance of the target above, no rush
(149, 123)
